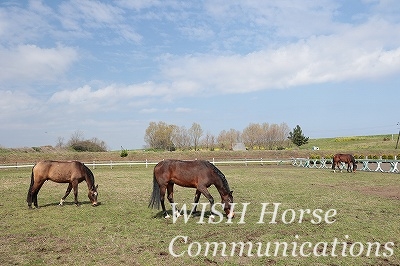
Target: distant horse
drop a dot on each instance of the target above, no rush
(345, 158)
(72, 172)
(197, 174)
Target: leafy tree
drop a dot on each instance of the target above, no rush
(297, 137)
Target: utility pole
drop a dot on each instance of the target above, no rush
(398, 136)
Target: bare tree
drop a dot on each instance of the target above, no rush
(159, 135)
(226, 139)
(181, 138)
(195, 132)
(251, 136)
(60, 142)
(267, 136)
(76, 137)
(209, 141)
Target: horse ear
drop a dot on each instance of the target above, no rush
(231, 192)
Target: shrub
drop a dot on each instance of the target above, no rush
(87, 145)
(124, 153)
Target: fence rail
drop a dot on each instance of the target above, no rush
(370, 165)
(147, 163)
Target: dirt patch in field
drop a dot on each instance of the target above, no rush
(385, 192)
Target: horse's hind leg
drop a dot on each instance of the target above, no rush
(34, 192)
(66, 194)
(170, 197)
(162, 199)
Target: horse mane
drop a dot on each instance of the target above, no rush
(221, 175)
(89, 174)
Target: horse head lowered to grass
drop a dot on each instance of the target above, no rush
(72, 172)
(197, 174)
(344, 158)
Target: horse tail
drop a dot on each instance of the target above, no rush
(29, 196)
(155, 200)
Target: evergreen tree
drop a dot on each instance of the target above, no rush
(297, 137)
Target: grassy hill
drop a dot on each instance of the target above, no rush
(356, 143)
(361, 145)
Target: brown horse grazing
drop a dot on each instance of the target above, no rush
(345, 158)
(71, 172)
(194, 174)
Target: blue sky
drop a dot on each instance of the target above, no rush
(109, 68)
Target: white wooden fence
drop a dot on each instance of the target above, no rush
(148, 163)
(371, 165)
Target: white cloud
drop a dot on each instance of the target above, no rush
(32, 63)
(148, 110)
(361, 52)
(13, 103)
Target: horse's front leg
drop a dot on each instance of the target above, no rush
(334, 166)
(196, 200)
(75, 187)
(207, 194)
(66, 194)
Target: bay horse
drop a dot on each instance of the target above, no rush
(197, 174)
(72, 172)
(345, 158)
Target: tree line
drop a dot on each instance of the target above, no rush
(163, 136)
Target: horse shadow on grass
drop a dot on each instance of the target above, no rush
(68, 204)
(196, 214)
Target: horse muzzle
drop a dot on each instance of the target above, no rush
(95, 204)
(229, 214)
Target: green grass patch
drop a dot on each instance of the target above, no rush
(123, 231)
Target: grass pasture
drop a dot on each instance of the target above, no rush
(123, 231)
